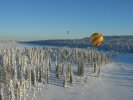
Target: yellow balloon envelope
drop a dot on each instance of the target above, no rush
(96, 39)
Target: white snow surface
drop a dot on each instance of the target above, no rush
(114, 83)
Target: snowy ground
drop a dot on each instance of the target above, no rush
(114, 83)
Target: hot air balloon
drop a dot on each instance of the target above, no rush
(96, 39)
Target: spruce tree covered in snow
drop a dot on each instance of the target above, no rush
(69, 70)
(94, 65)
(80, 68)
(71, 78)
(49, 64)
(65, 81)
(47, 75)
(1, 91)
(62, 69)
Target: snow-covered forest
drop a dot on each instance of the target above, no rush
(66, 69)
(24, 68)
(115, 43)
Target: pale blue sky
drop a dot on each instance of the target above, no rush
(50, 19)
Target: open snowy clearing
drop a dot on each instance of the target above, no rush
(115, 83)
